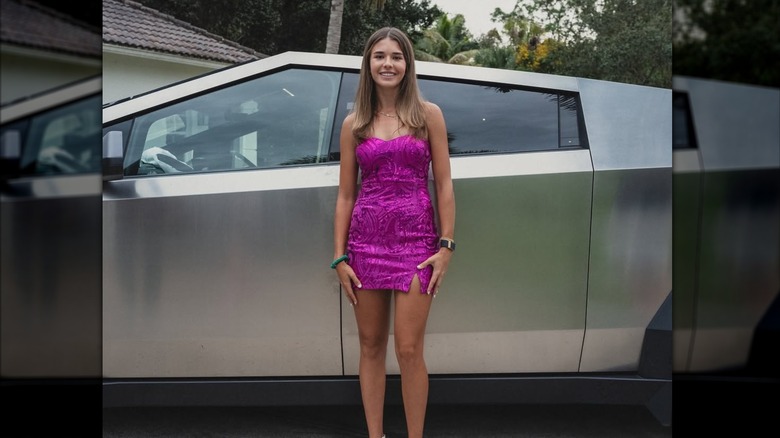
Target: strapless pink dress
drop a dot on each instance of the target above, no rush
(393, 226)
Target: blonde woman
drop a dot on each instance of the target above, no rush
(387, 248)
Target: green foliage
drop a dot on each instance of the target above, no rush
(618, 40)
(447, 41)
(728, 40)
(411, 16)
(615, 40)
(497, 57)
(517, 26)
(276, 26)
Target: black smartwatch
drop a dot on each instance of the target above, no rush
(447, 243)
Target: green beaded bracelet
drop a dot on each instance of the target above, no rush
(338, 260)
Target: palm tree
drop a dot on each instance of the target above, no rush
(334, 25)
(447, 41)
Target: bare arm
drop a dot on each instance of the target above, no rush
(445, 195)
(440, 161)
(345, 202)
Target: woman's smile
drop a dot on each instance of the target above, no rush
(388, 65)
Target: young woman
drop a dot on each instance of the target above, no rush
(386, 244)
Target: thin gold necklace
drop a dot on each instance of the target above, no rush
(394, 116)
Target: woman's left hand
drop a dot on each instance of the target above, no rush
(439, 261)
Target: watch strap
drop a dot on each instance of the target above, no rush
(447, 243)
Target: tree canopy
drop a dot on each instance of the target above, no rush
(276, 26)
(728, 40)
(617, 40)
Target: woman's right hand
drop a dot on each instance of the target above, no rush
(347, 278)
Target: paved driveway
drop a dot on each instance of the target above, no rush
(347, 421)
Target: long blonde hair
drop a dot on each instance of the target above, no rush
(409, 105)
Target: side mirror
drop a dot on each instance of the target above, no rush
(113, 156)
(10, 153)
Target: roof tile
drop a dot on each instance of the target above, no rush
(29, 24)
(130, 24)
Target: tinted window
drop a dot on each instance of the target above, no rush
(349, 83)
(277, 120)
(65, 140)
(682, 123)
(500, 119)
(492, 119)
(11, 135)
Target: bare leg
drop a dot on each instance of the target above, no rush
(411, 316)
(373, 321)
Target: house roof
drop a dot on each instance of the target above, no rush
(29, 24)
(130, 24)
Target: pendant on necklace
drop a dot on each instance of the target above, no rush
(394, 116)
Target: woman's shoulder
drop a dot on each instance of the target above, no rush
(432, 112)
(348, 124)
(431, 107)
(347, 134)
(349, 120)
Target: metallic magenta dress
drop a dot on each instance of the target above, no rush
(392, 228)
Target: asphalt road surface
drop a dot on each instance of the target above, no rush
(560, 421)
(701, 409)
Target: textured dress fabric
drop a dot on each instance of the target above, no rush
(393, 227)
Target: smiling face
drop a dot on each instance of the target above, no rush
(388, 64)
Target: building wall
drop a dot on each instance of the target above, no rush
(27, 72)
(128, 72)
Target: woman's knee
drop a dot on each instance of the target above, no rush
(373, 347)
(408, 352)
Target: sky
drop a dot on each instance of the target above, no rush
(476, 13)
